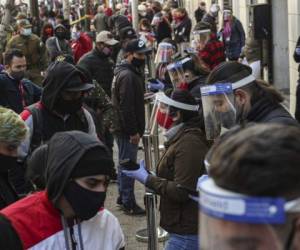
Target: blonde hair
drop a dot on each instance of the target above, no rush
(12, 128)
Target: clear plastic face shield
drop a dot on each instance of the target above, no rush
(232, 221)
(201, 38)
(164, 112)
(164, 54)
(176, 74)
(219, 106)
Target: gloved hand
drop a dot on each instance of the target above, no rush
(155, 84)
(141, 174)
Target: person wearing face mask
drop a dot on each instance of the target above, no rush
(234, 97)
(70, 212)
(81, 43)
(60, 108)
(98, 62)
(179, 166)
(128, 100)
(209, 48)
(12, 132)
(47, 32)
(211, 16)
(32, 48)
(16, 92)
(58, 44)
(182, 29)
(233, 35)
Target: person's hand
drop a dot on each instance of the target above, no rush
(155, 85)
(135, 139)
(140, 175)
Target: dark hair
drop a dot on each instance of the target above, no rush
(145, 22)
(234, 71)
(195, 66)
(10, 54)
(156, 6)
(261, 160)
(182, 11)
(184, 96)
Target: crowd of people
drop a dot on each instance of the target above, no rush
(70, 88)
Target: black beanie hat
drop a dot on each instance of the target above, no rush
(96, 161)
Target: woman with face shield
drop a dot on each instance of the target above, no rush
(239, 208)
(166, 53)
(179, 167)
(208, 47)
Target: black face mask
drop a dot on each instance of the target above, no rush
(68, 106)
(7, 163)
(17, 75)
(138, 63)
(84, 202)
(226, 118)
(60, 35)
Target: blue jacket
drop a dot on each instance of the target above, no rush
(12, 96)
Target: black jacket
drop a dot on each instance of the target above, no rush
(163, 29)
(182, 30)
(266, 112)
(297, 53)
(49, 122)
(128, 99)
(12, 96)
(7, 192)
(100, 68)
(199, 13)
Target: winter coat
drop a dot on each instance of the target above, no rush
(35, 53)
(162, 29)
(46, 122)
(7, 193)
(81, 46)
(237, 40)
(264, 111)
(128, 100)
(100, 22)
(36, 218)
(182, 30)
(100, 68)
(199, 13)
(181, 164)
(18, 94)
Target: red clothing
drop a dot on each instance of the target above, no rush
(45, 222)
(81, 46)
(213, 53)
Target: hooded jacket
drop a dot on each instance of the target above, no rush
(56, 47)
(47, 120)
(100, 68)
(128, 99)
(36, 218)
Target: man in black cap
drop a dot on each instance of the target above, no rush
(60, 109)
(128, 99)
(70, 213)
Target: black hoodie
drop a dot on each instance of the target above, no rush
(64, 151)
(128, 99)
(58, 76)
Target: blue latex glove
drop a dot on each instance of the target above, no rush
(140, 175)
(155, 85)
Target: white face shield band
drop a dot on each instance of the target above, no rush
(219, 105)
(230, 220)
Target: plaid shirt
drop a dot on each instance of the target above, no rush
(213, 53)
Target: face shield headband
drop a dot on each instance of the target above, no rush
(162, 106)
(222, 204)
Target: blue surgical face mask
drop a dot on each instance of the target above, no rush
(75, 35)
(26, 32)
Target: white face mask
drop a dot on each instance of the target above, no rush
(26, 32)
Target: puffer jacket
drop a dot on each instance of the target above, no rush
(181, 164)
